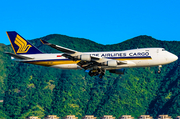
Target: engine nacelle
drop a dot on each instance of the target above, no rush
(112, 63)
(85, 57)
(117, 71)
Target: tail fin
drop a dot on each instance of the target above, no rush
(21, 45)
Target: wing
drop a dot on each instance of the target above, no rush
(86, 60)
(60, 48)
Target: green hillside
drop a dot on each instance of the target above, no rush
(36, 90)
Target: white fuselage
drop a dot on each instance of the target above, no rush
(144, 57)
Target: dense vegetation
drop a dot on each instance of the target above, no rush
(35, 90)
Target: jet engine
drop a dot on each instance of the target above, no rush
(111, 63)
(117, 71)
(85, 57)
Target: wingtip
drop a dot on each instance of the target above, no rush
(42, 41)
(45, 42)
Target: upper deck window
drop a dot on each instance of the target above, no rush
(163, 49)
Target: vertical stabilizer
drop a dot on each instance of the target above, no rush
(21, 45)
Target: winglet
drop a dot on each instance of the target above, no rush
(42, 41)
(45, 42)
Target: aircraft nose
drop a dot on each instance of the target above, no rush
(173, 57)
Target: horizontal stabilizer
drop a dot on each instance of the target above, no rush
(18, 56)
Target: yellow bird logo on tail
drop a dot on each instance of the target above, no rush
(23, 47)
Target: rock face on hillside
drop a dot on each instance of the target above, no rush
(35, 90)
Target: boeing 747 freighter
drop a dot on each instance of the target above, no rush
(97, 63)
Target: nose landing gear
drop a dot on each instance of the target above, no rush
(159, 71)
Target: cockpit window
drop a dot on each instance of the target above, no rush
(163, 49)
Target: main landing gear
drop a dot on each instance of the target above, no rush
(97, 72)
(159, 71)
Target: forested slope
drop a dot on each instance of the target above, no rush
(36, 90)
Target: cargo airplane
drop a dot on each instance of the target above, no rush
(97, 63)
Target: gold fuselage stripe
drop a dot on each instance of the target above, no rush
(59, 62)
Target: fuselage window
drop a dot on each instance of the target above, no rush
(163, 49)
